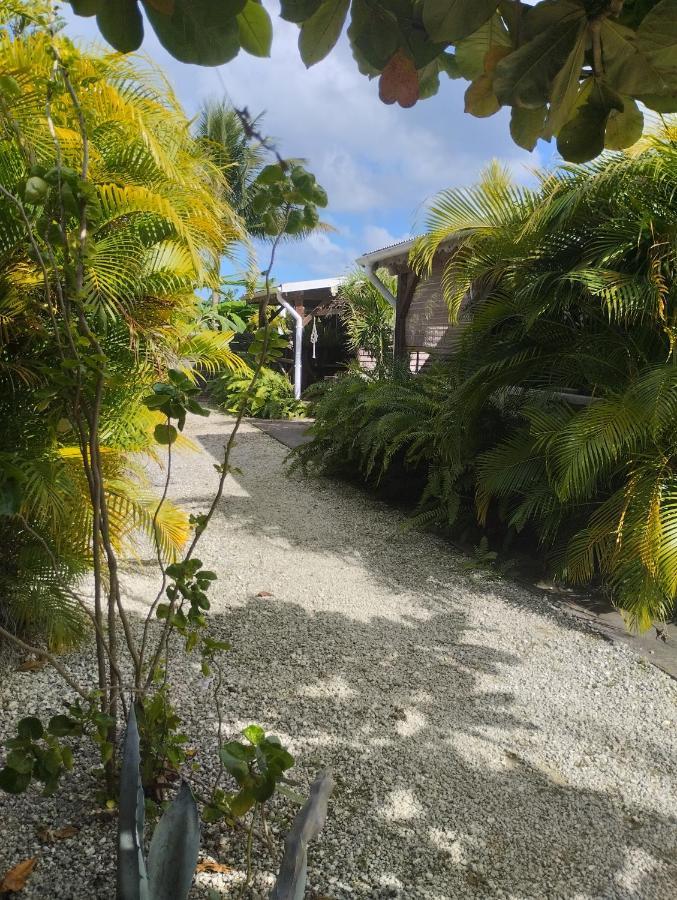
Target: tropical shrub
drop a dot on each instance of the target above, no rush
(559, 409)
(155, 229)
(272, 398)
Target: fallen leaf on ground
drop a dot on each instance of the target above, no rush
(210, 865)
(15, 880)
(50, 835)
(31, 665)
(264, 594)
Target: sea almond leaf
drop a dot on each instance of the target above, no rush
(15, 880)
(210, 865)
(399, 81)
(166, 7)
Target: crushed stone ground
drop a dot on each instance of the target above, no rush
(484, 744)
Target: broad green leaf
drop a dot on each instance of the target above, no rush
(20, 761)
(256, 29)
(373, 30)
(480, 99)
(582, 138)
(86, 7)
(624, 128)
(30, 727)
(548, 13)
(663, 103)
(429, 80)
(453, 20)
(298, 10)
(526, 125)
(322, 30)
(471, 51)
(12, 781)
(657, 35)
(565, 86)
(198, 31)
(242, 802)
(121, 23)
(165, 434)
(525, 77)
(627, 66)
(132, 876)
(254, 733)
(63, 726)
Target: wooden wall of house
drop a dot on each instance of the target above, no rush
(428, 334)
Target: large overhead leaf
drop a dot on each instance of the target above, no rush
(452, 20)
(471, 51)
(525, 77)
(627, 67)
(121, 23)
(298, 10)
(320, 32)
(624, 127)
(526, 125)
(198, 31)
(566, 85)
(582, 137)
(374, 31)
(256, 29)
(657, 35)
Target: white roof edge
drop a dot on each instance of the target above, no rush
(391, 252)
(316, 284)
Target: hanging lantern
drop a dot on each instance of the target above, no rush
(314, 336)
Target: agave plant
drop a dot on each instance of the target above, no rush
(167, 872)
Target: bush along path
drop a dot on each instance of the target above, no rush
(483, 743)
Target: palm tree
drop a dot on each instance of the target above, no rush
(574, 334)
(158, 223)
(368, 318)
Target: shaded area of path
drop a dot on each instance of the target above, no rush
(485, 744)
(659, 650)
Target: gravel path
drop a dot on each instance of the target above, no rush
(484, 744)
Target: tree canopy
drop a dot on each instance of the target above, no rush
(574, 70)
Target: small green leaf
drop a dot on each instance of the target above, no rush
(165, 434)
(20, 761)
(256, 29)
(12, 781)
(121, 23)
(242, 802)
(30, 727)
(63, 726)
(254, 734)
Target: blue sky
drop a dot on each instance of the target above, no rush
(379, 164)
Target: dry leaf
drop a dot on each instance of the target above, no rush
(399, 81)
(264, 594)
(210, 865)
(50, 836)
(31, 665)
(15, 880)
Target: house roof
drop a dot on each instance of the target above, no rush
(395, 257)
(317, 284)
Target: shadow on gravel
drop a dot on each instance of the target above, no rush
(434, 793)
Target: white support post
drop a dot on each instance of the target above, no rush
(298, 343)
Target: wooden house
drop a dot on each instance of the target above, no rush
(423, 331)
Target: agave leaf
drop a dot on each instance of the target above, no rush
(174, 849)
(132, 878)
(291, 881)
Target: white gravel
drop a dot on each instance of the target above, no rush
(484, 743)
